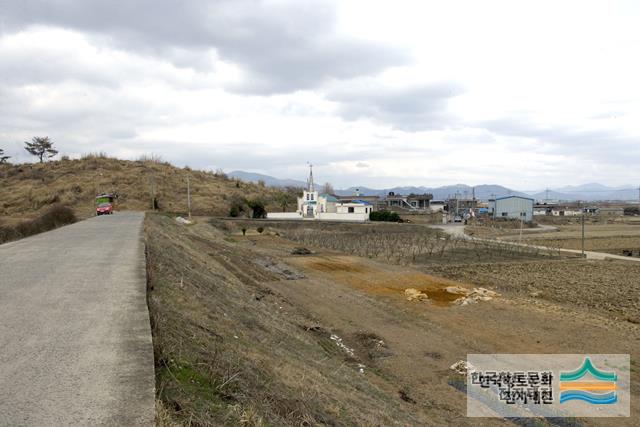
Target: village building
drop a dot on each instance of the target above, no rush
(412, 202)
(437, 205)
(325, 207)
(514, 207)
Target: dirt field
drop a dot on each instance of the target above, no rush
(246, 332)
(611, 238)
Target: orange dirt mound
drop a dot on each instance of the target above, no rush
(354, 272)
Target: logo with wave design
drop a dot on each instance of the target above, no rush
(600, 392)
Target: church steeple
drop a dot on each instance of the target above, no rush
(310, 180)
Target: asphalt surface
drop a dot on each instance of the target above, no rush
(75, 340)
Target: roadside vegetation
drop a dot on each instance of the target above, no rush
(54, 217)
(29, 189)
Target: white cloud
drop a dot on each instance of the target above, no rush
(373, 92)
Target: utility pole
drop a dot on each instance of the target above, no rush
(522, 214)
(153, 191)
(189, 196)
(583, 234)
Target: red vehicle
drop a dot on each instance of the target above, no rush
(104, 204)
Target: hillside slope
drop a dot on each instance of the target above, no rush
(28, 189)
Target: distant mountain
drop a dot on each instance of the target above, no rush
(588, 192)
(268, 180)
(483, 192)
(585, 192)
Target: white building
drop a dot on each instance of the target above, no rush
(325, 207)
(512, 207)
(437, 205)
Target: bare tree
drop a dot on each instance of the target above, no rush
(3, 158)
(40, 147)
(327, 188)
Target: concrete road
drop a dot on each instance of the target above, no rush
(75, 340)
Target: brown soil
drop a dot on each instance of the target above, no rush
(286, 351)
(600, 237)
(354, 272)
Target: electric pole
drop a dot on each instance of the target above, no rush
(583, 234)
(189, 196)
(153, 191)
(522, 215)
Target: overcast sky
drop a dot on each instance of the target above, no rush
(377, 93)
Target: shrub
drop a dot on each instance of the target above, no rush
(55, 217)
(632, 210)
(151, 158)
(238, 206)
(258, 208)
(386, 216)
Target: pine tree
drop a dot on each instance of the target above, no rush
(3, 158)
(40, 147)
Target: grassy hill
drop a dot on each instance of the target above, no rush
(27, 190)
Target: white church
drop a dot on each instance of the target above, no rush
(324, 207)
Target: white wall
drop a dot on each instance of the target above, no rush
(513, 207)
(284, 215)
(357, 217)
(343, 208)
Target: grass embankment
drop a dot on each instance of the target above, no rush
(27, 190)
(231, 351)
(54, 217)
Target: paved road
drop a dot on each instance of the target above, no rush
(75, 341)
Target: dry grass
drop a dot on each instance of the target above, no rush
(231, 351)
(29, 189)
(54, 217)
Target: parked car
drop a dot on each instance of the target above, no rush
(104, 204)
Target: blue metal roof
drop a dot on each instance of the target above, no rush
(361, 202)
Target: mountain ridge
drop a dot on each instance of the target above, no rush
(592, 191)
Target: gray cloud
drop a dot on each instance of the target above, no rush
(282, 47)
(413, 108)
(601, 145)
